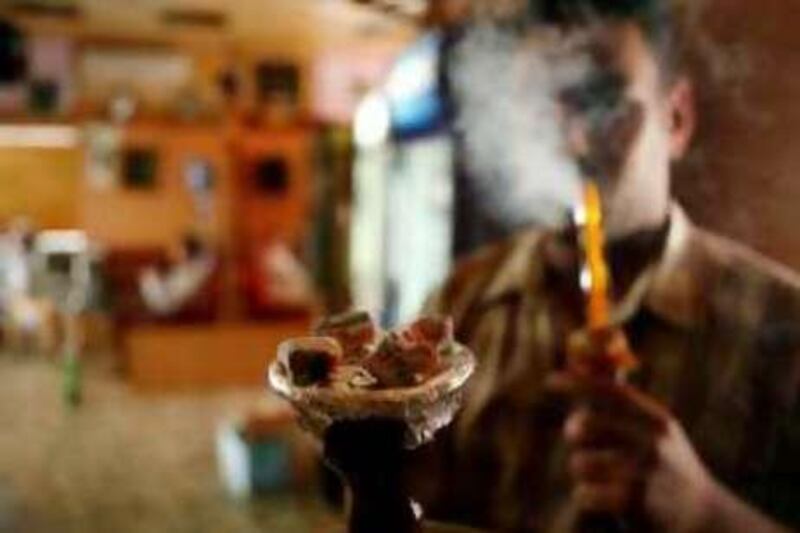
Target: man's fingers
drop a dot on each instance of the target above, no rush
(601, 466)
(612, 498)
(607, 396)
(588, 428)
(561, 383)
(648, 406)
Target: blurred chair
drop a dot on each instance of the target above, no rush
(121, 269)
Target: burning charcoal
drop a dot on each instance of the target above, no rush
(310, 361)
(432, 330)
(355, 331)
(350, 352)
(311, 367)
(400, 363)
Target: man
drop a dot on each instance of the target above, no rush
(28, 319)
(706, 436)
(168, 293)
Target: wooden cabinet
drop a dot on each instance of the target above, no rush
(273, 185)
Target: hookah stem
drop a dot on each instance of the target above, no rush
(595, 269)
(596, 281)
(370, 455)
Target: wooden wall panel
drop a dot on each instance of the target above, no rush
(124, 218)
(41, 184)
(744, 178)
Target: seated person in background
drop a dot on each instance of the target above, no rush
(706, 435)
(168, 291)
(26, 319)
(16, 249)
(275, 280)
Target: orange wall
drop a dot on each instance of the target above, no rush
(48, 187)
(122, 218)
(125, 218)
(42, 184)
(262, 218)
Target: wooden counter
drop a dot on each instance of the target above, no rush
(184, 357)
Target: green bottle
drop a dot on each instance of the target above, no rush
(72, 389)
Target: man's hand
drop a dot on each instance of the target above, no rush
(629, 456)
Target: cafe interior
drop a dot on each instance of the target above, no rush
(185, 184)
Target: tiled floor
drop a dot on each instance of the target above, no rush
(122, 462)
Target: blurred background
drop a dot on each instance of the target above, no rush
(184, 183)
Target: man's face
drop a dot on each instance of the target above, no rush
(543, 112)
(624, 123)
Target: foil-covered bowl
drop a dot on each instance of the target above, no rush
(424, 408)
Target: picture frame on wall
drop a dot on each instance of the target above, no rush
(140, 168)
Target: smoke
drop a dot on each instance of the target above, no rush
(507, 87)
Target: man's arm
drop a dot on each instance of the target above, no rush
(727, 513)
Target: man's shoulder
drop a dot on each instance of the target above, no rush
(473, 274)
(738, 261)
(481, 262)
(746, 286)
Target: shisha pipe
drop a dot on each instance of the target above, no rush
(607, 355)
(594, 271)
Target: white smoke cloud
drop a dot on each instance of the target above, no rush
(506, 87)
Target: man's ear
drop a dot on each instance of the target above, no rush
(683, 117)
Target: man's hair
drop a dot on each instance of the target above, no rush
(657, 20)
